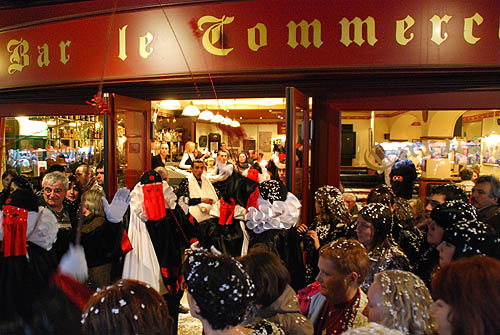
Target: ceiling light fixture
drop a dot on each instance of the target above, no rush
(170, 104)
(227, 121)
(217, 119)
(206, 115)
(235, 124)
(191, 110)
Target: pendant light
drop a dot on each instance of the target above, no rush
(191, 110)
(217, 119)
(235, 124)
(227, 121)
(206, 115)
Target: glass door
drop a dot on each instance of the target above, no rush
(129, 138)
(298, 141)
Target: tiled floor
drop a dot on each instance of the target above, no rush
(187, 324)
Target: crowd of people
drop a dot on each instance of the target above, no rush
(231, 241)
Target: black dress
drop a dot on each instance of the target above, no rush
(156, 161)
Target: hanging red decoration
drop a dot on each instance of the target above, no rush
(194, 27)
(100, 103)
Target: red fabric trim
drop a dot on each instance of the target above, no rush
(252, 199)
(170, 272)
(15, 224)
(193, 240)
(226, 212)
(253, 174)
(125, 243)
(191, 219)
(78, 293)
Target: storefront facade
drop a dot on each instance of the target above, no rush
(347, 55)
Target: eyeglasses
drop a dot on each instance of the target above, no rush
(49, 190)
(100, 172)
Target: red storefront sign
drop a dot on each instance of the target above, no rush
(252, 36)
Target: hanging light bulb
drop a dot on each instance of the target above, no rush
(217, 118)
(235, 124)
(191, 110)
(227, 121)
(206, 115)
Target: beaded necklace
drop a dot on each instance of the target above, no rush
(340, 321)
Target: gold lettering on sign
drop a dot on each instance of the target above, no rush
(64, 58)
(468, 26)
(214, 34)
(43, 55)
(19, 58)
(369, 22)
(122, 42)
(401, 27)
(304, 33)
(436, 28)
(144, 41)
(252, 44)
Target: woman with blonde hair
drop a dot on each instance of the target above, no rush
(101, 239)
(400, 300)
(188, 157)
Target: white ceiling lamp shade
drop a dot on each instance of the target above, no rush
(170, 104)
(191, 110)
(217, 119)
(235, 124)
(227, 121)
(206, 115)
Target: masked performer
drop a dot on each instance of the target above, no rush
(269, 221)
(158, 233)
(27, 233)
(218, 222)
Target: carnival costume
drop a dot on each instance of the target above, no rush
(329, 225)
(270, 221)
(158, 234)
(27, 233)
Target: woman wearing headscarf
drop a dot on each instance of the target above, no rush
(374, 232)
(332, 218)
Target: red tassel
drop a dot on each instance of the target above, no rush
(125, 243)
(226, 212)
(252, 199)
(78, 293)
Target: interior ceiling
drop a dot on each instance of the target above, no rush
(237, 109)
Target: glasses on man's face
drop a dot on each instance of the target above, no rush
(49, 190)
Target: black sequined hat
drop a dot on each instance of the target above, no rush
(150, 177)
(273, 190)
(451, 212)
(23, 198)
(471, 237)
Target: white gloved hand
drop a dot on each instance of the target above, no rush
(215, 251)
(118, 207)
(74, 264)
(195, 246)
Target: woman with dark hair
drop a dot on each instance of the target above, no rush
(332, 218)
(73, 195)
(242, 164)
(6, 178)
(374, 232)
(219, 293)
(128, 307)
(459, 234)
(275, 300)
(467, 293)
